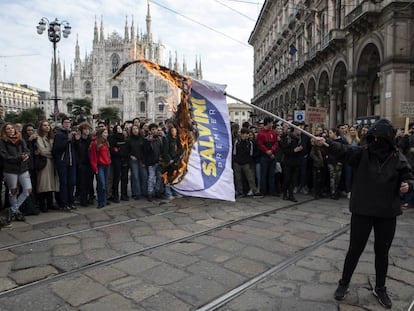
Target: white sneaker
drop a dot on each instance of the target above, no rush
(348, 195)
(250, 193)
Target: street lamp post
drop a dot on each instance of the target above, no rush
(54, 33)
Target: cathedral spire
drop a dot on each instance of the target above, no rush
(77, 49)
(126, 35)
(148, 19)
(176, 62)
(95, 32)
(133, 30)
(200, 75)
(170, 61)
(184, 66)
(102, 37)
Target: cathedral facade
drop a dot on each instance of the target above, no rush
(138, 92)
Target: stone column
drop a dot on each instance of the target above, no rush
(333, 107)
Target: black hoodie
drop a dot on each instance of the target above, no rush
(378, 170)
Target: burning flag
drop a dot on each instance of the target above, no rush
(203, 127)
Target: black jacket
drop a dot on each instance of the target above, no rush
(134, 146)
(82, 151)
(119, 148)
(243, 151)
(288, 144)
(375, 186)
(11, 156)
(63, 149)
(152, 149)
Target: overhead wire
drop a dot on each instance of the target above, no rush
(238, 12)
(199, 23)
(244, 1)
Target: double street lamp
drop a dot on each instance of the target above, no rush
(54, 33)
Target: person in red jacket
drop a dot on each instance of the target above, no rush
(100, 161)
(267, 143)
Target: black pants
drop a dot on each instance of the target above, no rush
(85, 182)
(361, 226)
(120, 174)
(290, 176)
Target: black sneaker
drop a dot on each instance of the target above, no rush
(341, 291)
(382, 296)
(18, 216)
(4, 223)
(293, 199)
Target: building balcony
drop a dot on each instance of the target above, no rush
(279, 39)
(292, 18)
(285, 30)
(362, 17)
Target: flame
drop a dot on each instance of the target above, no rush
(182, 118)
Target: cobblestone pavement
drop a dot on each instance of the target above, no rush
(169, 269)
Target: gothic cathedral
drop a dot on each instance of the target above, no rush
(137, 92)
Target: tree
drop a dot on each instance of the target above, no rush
(109, 114)
(12, 117)
(31, 115)
(80, 108)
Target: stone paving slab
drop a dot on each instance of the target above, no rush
(189, 274)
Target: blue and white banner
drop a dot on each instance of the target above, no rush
(209, 172)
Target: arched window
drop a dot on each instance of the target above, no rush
(142, 106)
(115, 61)
(88, 87)
(142, 86)
(115, 92)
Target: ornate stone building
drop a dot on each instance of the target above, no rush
(353, 57)
(137, 92)
(239, 113)
(14, 98)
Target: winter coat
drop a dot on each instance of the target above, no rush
(63, 149)
(170, 148)
(318, 156)
(99, 156)
(134, 146)
(152, 150)
(375, 188)
(11, 156)
(119, 148)
(243, 151)
(82, 146)
(267, 140)
(332, 158)
(47, 180)
(288, 144)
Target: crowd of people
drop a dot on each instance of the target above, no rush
(280, 160)
(44, 168)
(73, 165)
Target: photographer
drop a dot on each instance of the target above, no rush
(64, 155)
(152, 148)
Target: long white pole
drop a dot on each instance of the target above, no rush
(271, 114)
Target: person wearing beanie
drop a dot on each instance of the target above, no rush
(381, 173)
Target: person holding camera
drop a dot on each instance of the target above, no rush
(152, 151)
(64, 154)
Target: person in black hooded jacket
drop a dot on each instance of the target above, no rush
(120, 166)
(381, 173)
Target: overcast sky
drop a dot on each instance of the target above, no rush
(219, 36)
